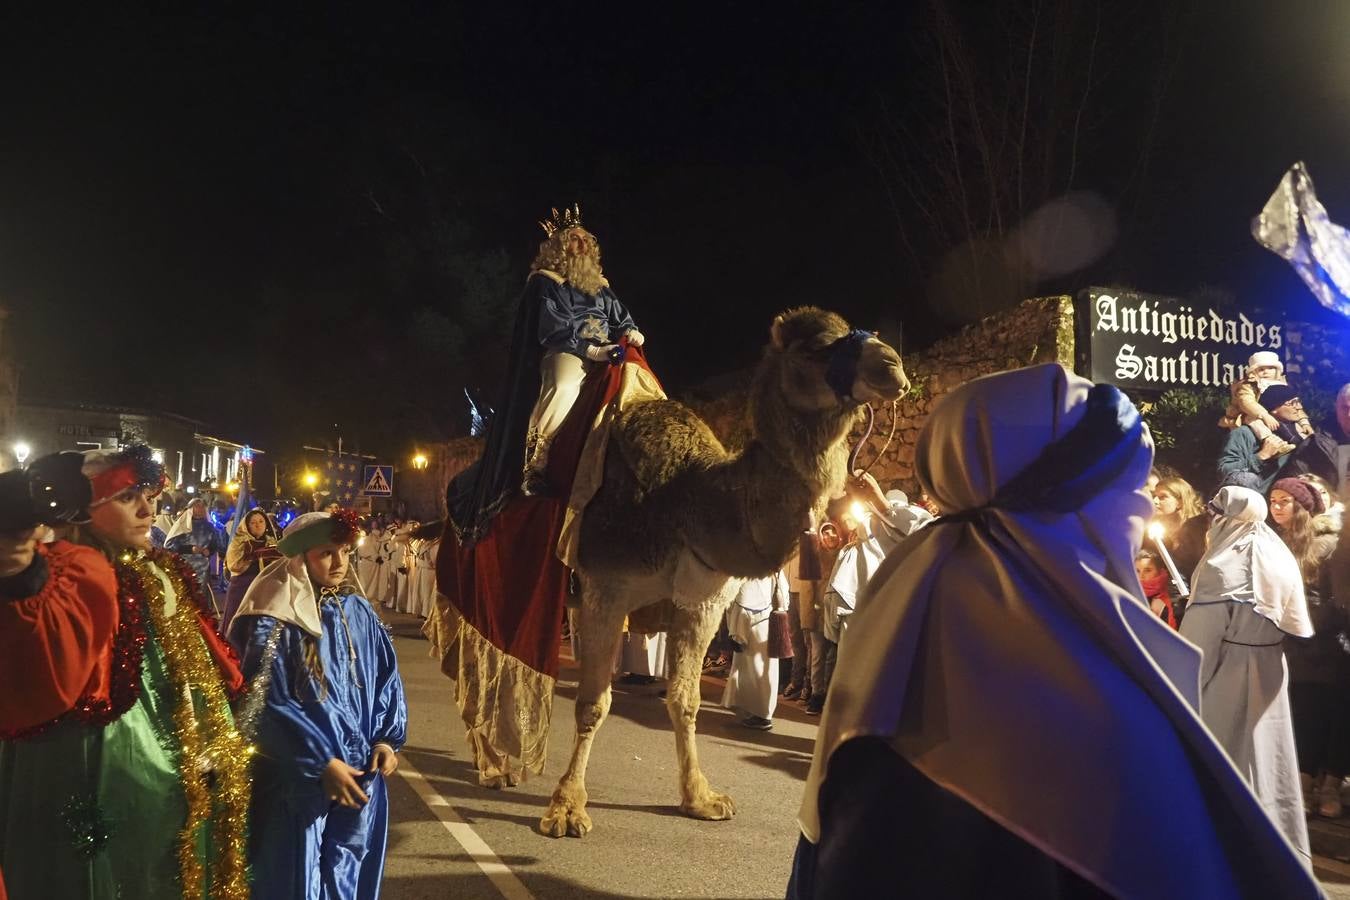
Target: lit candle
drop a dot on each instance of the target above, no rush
(1155, 531)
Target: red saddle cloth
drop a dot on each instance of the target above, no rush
(511, 589)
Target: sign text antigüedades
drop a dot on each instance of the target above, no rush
(1158, 343)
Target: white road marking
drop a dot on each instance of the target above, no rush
(502, 878)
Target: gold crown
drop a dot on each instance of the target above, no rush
(568, 218)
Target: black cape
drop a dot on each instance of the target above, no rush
(478, 493)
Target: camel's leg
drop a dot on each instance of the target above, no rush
(601, 625)
(685, 646)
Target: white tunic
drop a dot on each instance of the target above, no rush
(643, 654)
(397, 598)
(1245, 702)
(423, 579)
(752, 686)
(366, 568)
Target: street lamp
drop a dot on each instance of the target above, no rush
(311, 480)
(21, 452)
(419, 461)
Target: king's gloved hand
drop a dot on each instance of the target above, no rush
(635, 337)
(601, 353)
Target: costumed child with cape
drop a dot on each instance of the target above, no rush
(333, 719)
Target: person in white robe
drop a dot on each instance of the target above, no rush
(423, 577)
(882, 523)
(382, 538)
(367, 550)
(1247, 594)
(752, 683)
(396, 588)
(642, 657)
(1008, 716)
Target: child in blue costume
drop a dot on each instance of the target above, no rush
(332, 720)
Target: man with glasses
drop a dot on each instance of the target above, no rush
(1241, 452)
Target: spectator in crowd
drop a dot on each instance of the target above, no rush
(1009, 718)
(1156, 582)
(1337, 425)
(1264, 369)
(1328, 521)
(804, 574)
(1319, 668)
(1248, 594)
(1177, 508)
(1241, 451)
(822, 651)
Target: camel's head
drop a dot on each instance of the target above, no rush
(824, 363)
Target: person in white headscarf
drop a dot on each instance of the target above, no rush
(1247, 594)
(1008, 717)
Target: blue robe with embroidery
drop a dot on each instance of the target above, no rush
(570, 320)
(303, 845)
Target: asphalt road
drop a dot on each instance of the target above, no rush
(450, 838)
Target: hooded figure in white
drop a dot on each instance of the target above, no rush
(1247, 594)
(1008, 716)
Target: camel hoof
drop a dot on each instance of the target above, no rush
(713, 806)
(565, 820)
(497, 782)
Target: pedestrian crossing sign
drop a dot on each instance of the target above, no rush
(379, 481)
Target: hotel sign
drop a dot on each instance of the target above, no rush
(1147, 342)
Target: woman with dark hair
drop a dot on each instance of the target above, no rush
(1319, 669)
(252, 547)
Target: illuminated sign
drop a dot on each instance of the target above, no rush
(1144, 341)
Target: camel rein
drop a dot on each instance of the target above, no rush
(840, 372)
(867, 434)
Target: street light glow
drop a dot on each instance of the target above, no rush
(419, 461)
(311, 479)
(21, 451)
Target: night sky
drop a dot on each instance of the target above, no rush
(270, 221)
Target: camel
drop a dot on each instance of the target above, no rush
(678, 519)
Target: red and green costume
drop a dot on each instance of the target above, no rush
(102, 791)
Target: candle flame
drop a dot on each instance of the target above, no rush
(1155, 530)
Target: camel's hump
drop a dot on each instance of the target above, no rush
(661, 438)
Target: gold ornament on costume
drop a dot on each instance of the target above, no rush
(207, 739)
(568, 218)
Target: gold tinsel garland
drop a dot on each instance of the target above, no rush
(210, 746)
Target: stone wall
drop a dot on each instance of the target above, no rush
(1035, 331)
